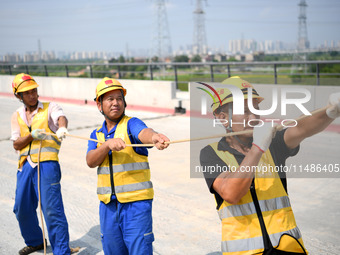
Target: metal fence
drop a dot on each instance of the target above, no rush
(274, 72)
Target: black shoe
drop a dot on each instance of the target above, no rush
(29, 249)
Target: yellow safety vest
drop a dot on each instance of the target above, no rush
(241, 232)
(129, 175)
(50, 145)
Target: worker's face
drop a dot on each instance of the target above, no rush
(113, 104)
(240, 122)
(30, 97)
(244, 119)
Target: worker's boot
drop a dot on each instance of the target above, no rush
(29, 249)
(74, 250)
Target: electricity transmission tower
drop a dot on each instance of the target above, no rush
(303, 42)
(161, 46)
(39, 50)
(200, 40)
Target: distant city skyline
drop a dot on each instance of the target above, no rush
(121, 26)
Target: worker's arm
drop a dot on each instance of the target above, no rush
(59, 119)
(22, 142)
(95, 157)
(19, 142)
(62, 130)
(232, 186)
(62, 122)
(148, 136)
(313, 124)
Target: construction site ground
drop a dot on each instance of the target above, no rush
(184, 215)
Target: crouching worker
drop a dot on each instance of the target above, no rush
(253, 205)
(124, 187)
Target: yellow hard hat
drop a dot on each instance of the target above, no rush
(106, 85)
(226, 95)
(23, 82)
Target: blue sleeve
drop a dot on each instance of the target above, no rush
(135, 126)
(91, 145)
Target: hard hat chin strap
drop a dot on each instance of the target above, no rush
(230, 117)
(229, 128)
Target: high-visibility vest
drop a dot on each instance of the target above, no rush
(241, 232)
(50, 145)
(129, 175)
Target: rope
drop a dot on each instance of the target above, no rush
(278, 128)
(73, 250)
(39, 194)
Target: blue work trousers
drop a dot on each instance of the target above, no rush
(126, 228)
(26, 203)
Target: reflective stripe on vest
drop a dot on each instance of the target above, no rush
(50, 145)
(131, 173)
(125, 188)
(123, 168)
(241, 230)
(36, 151)
(249, 208)
(255, 243)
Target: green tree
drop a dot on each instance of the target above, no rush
(196, 58)
(181, 58)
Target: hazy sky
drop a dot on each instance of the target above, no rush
(111, 25)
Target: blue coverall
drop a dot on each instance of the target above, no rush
(26, 202)
(126, 228)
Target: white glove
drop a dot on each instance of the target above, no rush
(334, 101)
(38, 134)
(61, 133)
(263, 136)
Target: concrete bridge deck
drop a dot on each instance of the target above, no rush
(185, 219)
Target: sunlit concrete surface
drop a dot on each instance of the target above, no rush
(185, 219)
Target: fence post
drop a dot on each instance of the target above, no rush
(66, 69)
(228, 67)
(151, 72)
(10, 70)
(275, 74)
(46, 73)
(211, 73)
(317, 74)
(27, 69)
(91, 73)
(119, 75)
(176, 78)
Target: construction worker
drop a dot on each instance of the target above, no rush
(124, 187)
(241, 187)
(28, 125)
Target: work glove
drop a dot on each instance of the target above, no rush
(61, 133)
(38, 134)
(333, 110)
(263, 136)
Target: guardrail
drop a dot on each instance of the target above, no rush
(277, 72)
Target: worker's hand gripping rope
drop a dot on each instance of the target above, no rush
(334, 106)
(62, 132)
(38, 134)
(263, 136)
